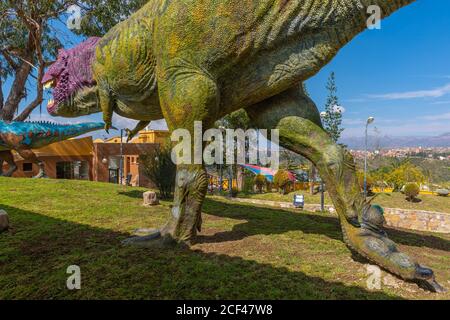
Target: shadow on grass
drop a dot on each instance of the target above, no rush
(263, 220)
(35, 254)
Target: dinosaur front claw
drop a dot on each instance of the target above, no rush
(130, 134)
(107, 127)
(143, 241)
(41, 175)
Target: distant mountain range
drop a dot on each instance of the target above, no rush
(357, 143)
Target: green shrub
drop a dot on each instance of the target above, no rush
(260, 181)
(160, 169)
(404, 174)
(281, 180)
(249, 182)
(411, 191)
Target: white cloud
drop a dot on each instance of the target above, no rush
(123, 123)
(413, 128)
(433, 93)
(58, 120)
(437, 117)
(158, 125)
(352, 122)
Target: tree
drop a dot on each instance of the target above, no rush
(260, 181)
(160, 169)
(26, 47)
(332, 119)
(281, 180)
(29, 42)
(403, 174)
(98, 16)
(305, 89)
(235, 120)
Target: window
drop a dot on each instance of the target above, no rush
(27, 167)
(72, 170)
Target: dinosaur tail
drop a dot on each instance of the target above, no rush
(44, 133)
(75, 130)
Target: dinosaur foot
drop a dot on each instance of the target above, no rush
(377, 248)
(41, 175)
(152, 238)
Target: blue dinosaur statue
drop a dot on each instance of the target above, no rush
(22, 137)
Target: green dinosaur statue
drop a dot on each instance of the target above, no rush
(199, 60)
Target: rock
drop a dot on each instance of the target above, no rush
(150, 198)
(4, 221)
(443, 192)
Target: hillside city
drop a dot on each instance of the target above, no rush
(439, 153)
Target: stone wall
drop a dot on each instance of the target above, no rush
(397, 218)
(418, 220)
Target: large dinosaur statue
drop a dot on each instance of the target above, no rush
(198, 60)
(22, 137)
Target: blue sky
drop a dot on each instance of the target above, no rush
(399, 74)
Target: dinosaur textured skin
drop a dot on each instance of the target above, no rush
(198, 60)
(25, 136)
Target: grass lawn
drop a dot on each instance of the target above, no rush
(388, 200)
(244, 252)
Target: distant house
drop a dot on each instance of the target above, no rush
(98, 160)
(70, 159)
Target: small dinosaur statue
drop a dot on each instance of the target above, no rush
(22, 137)
(199, 60)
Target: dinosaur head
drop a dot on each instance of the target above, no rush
(74, 88)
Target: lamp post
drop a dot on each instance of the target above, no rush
(223, 132)
(369, 121)
(322, 186)
(121, 158)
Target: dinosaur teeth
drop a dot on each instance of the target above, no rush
(49, 84)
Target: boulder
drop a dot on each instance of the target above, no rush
(443, 192)
(150, 198)
(4, 221)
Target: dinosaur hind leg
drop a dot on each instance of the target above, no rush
(298, 121)
(30, 156)
(187, 95)
(7, 156)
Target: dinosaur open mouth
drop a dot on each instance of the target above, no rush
(51, 105)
